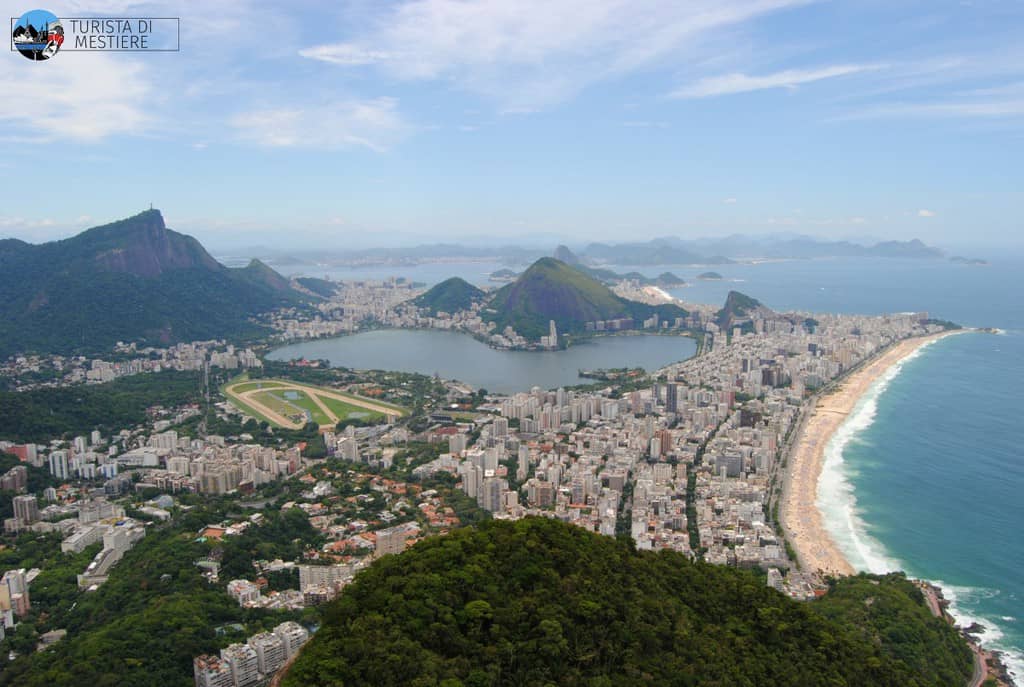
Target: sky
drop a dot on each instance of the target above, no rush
(358, 123)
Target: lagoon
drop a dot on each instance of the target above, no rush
(458, 356)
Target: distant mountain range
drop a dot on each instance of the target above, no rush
(553, 290)
(131, 280)
(660, 251)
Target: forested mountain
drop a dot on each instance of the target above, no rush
(541, 602)
(450, 296)
(552, 290)
(131, 280)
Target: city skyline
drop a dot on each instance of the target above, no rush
(605, 121)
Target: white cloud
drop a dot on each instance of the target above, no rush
(345, 54)
(925, 213)
(729, 84)
(533, 53)
(730, 201)
(375, 124)
(84, 97)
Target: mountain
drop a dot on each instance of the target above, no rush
(450, 296)
(791, 246)
(541, 602)
(261, 275)
(552, 290)
(320, 287)
(131, 280)
(737, 309)
(567, 256)
(667, 280)
(656, 252)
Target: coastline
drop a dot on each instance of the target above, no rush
(799, 513)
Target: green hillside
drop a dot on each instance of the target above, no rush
(321, 287)
(552, 290)
(450, 296)
(540, 602)
(131, 280)
(737, 307)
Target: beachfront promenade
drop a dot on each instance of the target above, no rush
(800, 511)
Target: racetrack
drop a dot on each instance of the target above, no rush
(245, 396)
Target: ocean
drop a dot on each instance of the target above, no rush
(927, 475)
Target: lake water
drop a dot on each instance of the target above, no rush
(933, 476)
(458, 356)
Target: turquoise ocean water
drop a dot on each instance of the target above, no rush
(927, 475)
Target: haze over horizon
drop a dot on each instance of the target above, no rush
(530, 124)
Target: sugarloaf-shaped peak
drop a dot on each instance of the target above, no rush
(567, 256)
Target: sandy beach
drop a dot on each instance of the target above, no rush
(798, 512)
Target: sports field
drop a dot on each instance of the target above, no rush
(291, 405)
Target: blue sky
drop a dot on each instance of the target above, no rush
(371, 123)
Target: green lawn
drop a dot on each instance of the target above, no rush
(278, 404)
(345, 410)
(302, 400)
(249, 386)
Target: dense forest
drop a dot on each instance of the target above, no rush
(538, 602)
(47, 413)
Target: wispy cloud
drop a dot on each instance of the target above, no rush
(925, 213)
(521, 54)
(375, 124)
(86, 99)
(977, 108)
(730, 84)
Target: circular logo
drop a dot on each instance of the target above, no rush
(38, 34)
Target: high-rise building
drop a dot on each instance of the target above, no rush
(523, 466)
(14, 592)
(391, 540)
(292, 635)
(672, 398)
(26, 509)
(501, 427)
(15, 479)
(317, 575)
(244, 664)
(59, 465)
(490, 494)
(270, 652)
(211, 671)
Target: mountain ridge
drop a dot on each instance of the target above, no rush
(129, 280)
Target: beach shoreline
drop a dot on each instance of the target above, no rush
(799, 513)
